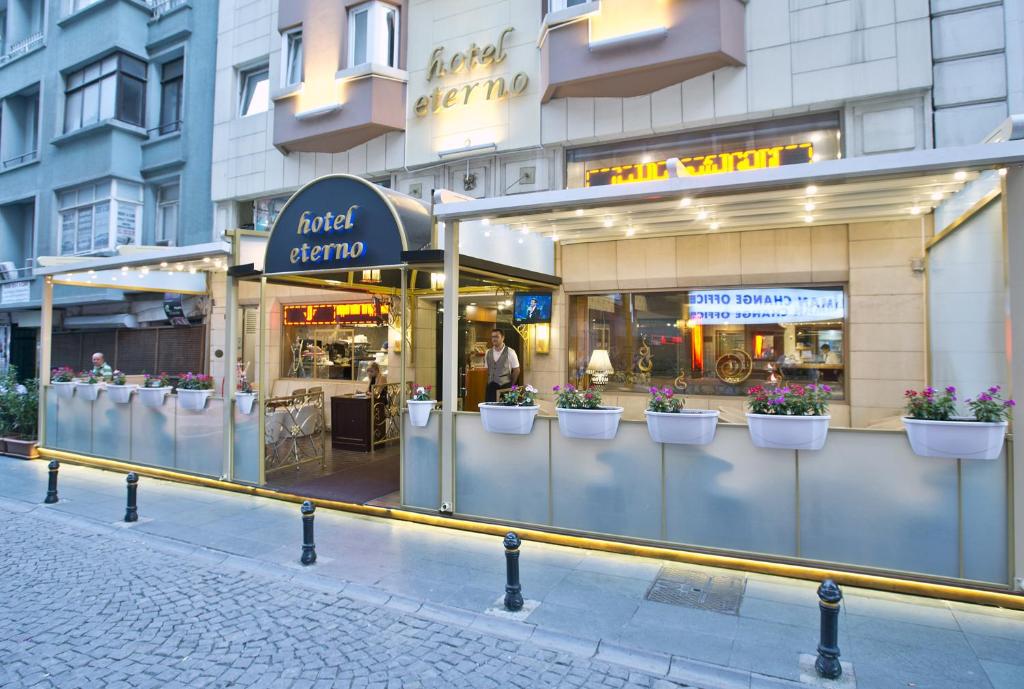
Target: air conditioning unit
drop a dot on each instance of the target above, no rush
(113, 320)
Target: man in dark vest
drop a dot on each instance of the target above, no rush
(502, 366)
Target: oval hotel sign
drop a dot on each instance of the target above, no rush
(343, 222)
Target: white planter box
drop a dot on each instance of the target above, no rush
(65, 391)
(193, 400)
(245, 401)
(419, 411)
(153, 397)
(497, 418)
(88, 391)
(687, 427)
(120, 394)
(956, 439)
(595, 424)
(788, 432)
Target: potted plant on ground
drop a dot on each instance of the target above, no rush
(63, 381)
(154, 389)
(118, 389)
(581, 415)
(88, 385)
(669, 422)
(193, 390)
(934, 429)
(21, 403)
(513, 413)
(245, 398)
(792, 417)
(420, 406)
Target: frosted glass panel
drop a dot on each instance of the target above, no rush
(111, 423)
(500, 475)
(153, 433)
(866, 499)
(200, 439)
(247, 447)
(421, 463)
(607, 486)
(983, 491)
(74, 430)
(730, 494)
(967, 305)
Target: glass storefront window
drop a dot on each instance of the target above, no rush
(713, 341)
(334, 341)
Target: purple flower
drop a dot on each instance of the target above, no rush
(1009, 403)
(654, 390)
(826, 388)
(556, 388)
(951, 390)
(984, 397)
(994, 389)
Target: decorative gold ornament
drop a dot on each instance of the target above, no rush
(644, 361)
(734, 366)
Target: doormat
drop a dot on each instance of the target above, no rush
(720, 592)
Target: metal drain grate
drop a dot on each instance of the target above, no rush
(692, 588)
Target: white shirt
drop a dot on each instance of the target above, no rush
(832, 358)
(513, 360)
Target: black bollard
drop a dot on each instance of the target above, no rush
(827, 663)
(513, 590)
(308, 547)
(131, 514)
(51, 487)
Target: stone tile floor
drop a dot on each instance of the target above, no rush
(591, 606)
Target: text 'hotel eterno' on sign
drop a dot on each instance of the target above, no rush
(325, 224)
(781, 305)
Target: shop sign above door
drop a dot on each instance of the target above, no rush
(342, 222)
(781, 305)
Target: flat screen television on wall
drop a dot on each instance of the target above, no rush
(531, 307)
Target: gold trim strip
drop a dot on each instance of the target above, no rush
(871, 581)
(970, 212)
(126, 287)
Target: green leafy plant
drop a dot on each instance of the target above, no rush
(421, 394)
(572, 397)
(990, 407)
(19, 406)
(118, 378)
(519, 396)
(789, 400)
(161, 380)
(195, 381)
(664, 401)
(244, 386)
(930, 404)
(63, 374)
(88, 377)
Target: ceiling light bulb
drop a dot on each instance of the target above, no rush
(702, 214)
(206, 259)
(811, 189)
(554, 237)
(960, 176)
(163, 264)
(124, 269)
(579, 211)
(685, 202)
(1002, 172)
(915, 210)
(608, 222)
(808, 218)
(179, 267)
(714, 225)
(630, 231)
(192, 270)
(485, 221)
(936, 196)
(809, 206)
(145, 270)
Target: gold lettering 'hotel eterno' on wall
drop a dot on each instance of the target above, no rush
(441, 65)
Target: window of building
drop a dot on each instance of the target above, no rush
(99, 216)
(293, 67)
(726, 149)
(111, 88)
(172, 82)
(20, 141)
(556, 5)
(334, 341)
(255, 93)
(265, 210)
(713, 341)
(373, 34)
(167, 205)
(76, 5)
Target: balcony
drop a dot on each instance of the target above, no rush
(22, 47)
(613, 48)
(162, 7)
(372, 103)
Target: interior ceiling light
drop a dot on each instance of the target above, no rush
(630, 231)
(808, 218)
(206, 259)
(936, 195)
(811, 189)
(163, 264)
(192, 270)
(685, 202)
(809, 206)
(579, 211)
(702, 214)
(1002, 172)
(485, 221)
(608, 222)
(714, 225)
(915, 210)
(960, 176)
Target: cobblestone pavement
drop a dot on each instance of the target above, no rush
(84, 608)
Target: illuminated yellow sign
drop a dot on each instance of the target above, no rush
(711, 164)
(335, 314)
(442, 66)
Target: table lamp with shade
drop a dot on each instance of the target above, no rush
(600, 367)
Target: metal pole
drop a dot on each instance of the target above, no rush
(513, 589)
(230, 375)
(308, 547)
(131, 514)
(45, 336)
(262, 392)
(827, 663)
(51, 488)
(450, 368)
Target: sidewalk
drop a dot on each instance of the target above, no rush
(588, 603)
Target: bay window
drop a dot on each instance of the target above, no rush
(712, 341)
(99, 216)
(111, 88)
(373, 34)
